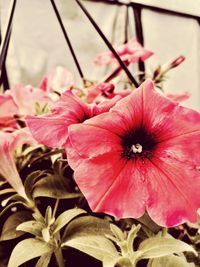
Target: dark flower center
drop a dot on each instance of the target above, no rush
(138, 143)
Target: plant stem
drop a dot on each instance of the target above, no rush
(59, 257)
(55, 207)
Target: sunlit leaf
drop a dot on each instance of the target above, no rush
(131, 236)
(44, 260)
(159, 246)
(169, 261)
(65, 217)
(32, 227)
(28, 249)
(98, 247)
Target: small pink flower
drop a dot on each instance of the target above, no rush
(132, 52)
(179, 97)
(104, 91)
(8, 144)
(141, 155)
(52, 129)
(59, 80)
(177, 62)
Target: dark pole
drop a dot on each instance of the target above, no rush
(5, 39)
(68, 40)
(121, 63)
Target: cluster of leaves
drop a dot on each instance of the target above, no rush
(56, 225)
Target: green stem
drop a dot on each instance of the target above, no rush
(59, 257)
(55, 208)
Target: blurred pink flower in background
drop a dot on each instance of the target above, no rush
(179, 97)
(141, 155)
(26, 98)
(9, 142)
(8, 110)
(102, 91)
(132, 52)
(58, 80)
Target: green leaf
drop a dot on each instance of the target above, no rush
(169, 261)
(32, 227)
(30, 180)
(65, 217)
(117, 232)
(53, 186)
(131, 237)
(48, 216)
(159, 246)
(9, 228)
(10, 206)
(28, 249)
(44, 260)
(85, 225)
(98, 247)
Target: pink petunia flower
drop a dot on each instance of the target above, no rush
(8, 144)
(102, 91)
(132, 52)
(141, 155)
(52, 129)
(59, 80)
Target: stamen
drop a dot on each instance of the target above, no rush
(136, 148)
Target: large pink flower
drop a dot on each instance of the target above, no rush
(141, 155)
(9, 142)
(52, 129)
(132, 52)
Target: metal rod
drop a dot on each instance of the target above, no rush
(68, 40)
(140, 38)
(121, 63)
(6, 37)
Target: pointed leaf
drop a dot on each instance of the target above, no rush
(96, 246)
(85, 225)
(131, 237)
(44, 260)
(117, 232)
(32, 227)
(28, 249)
(9, 228)
(30, 180)
(53, 186)
(159, 246)
(65, 217)
(169, 261)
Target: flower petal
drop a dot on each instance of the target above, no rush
(49, 130)
(126, 196)
(95, 176)
(101, 141)
(173, 194)
(167, 119)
